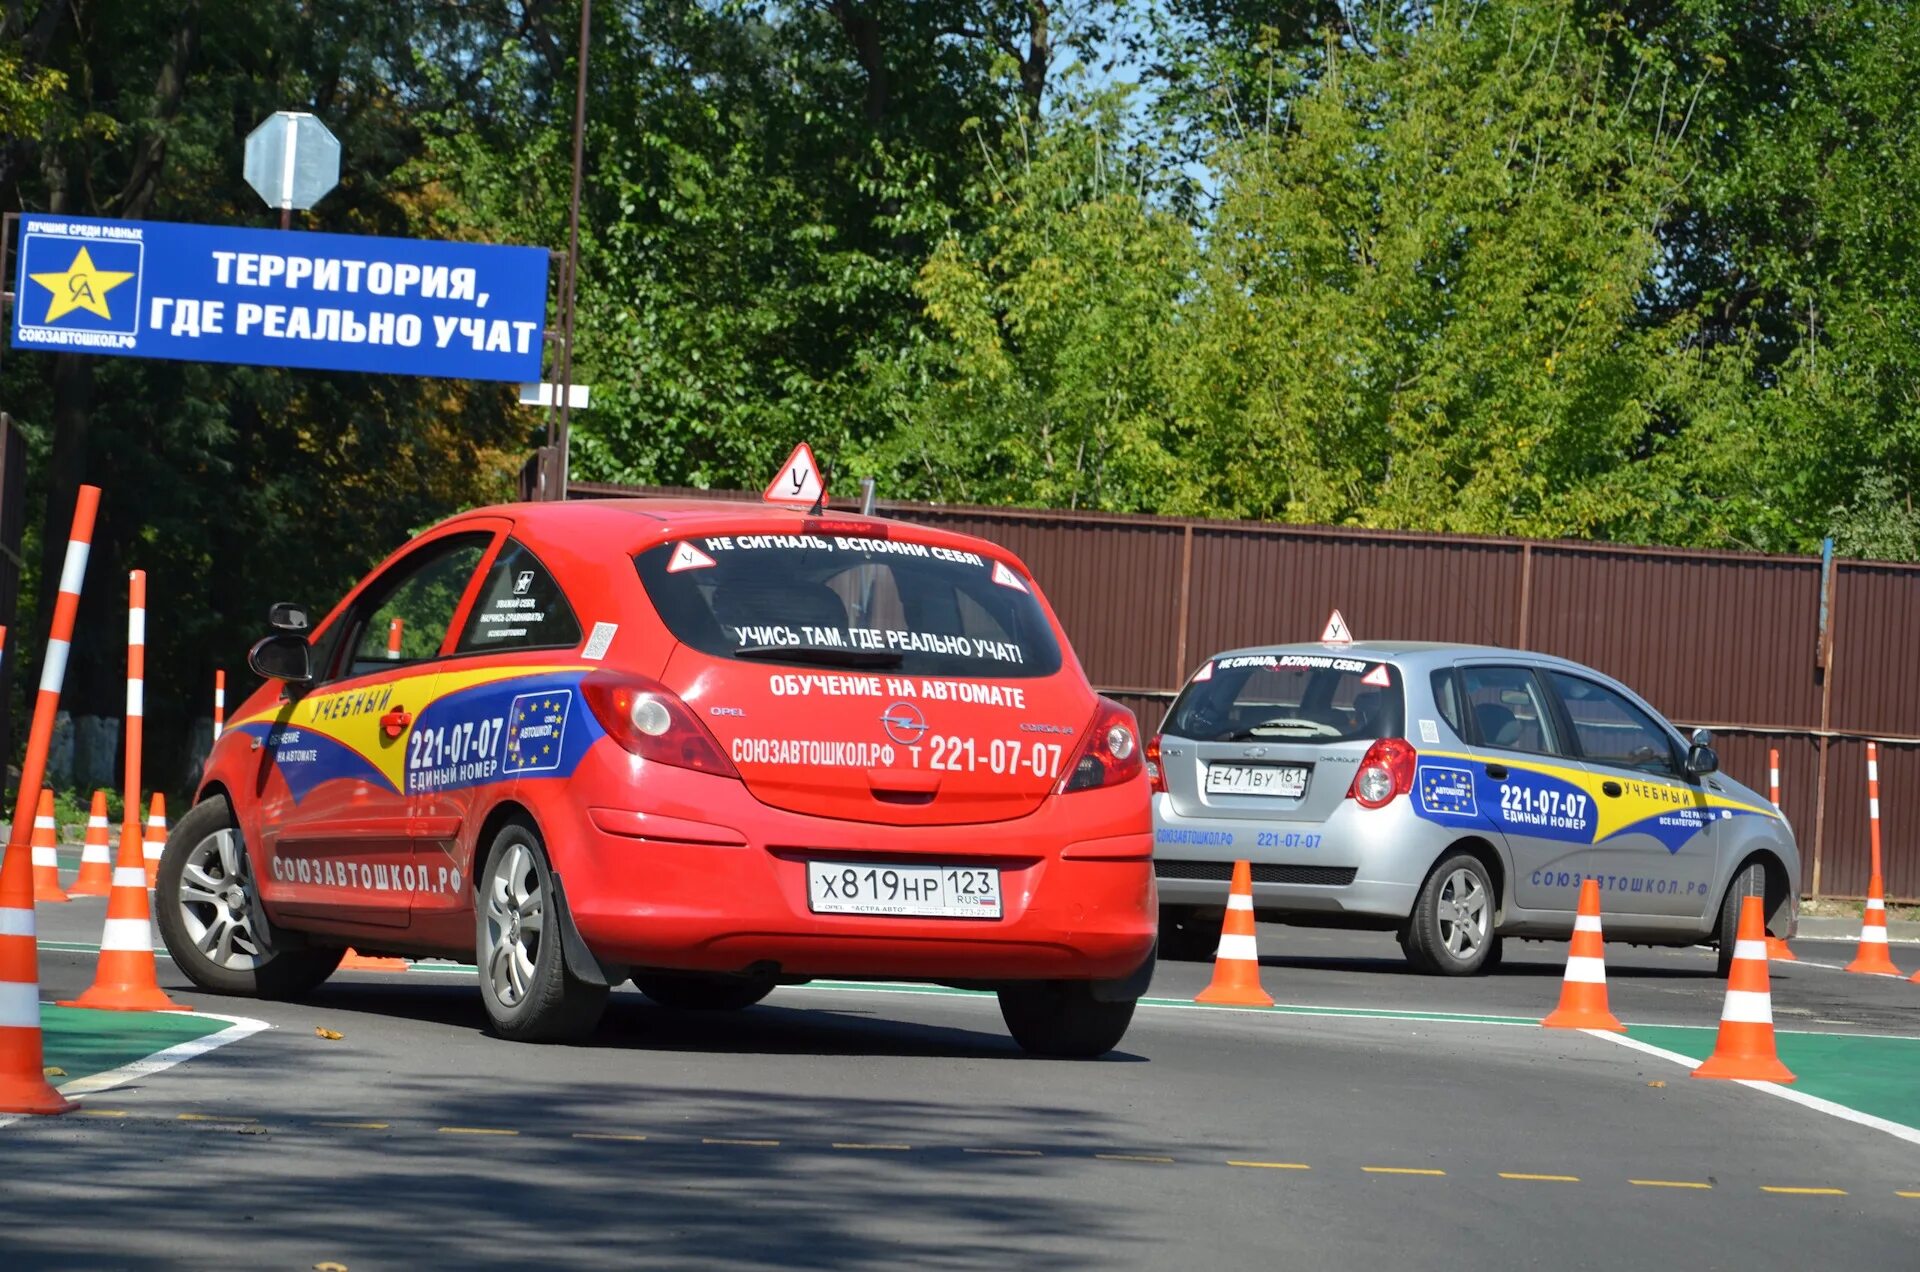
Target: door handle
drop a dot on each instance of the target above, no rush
(395, 722)
(1498, 772)
(1610, 788)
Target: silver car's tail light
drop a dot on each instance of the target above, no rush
(1386, 771)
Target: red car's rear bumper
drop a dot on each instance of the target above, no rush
(719, 883)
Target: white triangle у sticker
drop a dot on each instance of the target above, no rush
(1007, 578)
(687, 557)
(1205, 673)
(1378, 677)
(1336, 633)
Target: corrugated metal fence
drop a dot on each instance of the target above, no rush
(1723, 639)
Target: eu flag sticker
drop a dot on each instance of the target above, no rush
(1447, 790)
(80, 284)
(536, 731)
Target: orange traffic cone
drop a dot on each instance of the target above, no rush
(156, 841)
(23, 1082)
(358, 962)
(1583, 991)
(126, 979)
(1236, 968)
(96, 866)
(1745, 1048)
(1779, 951)
(1872, 954)
(46, 853)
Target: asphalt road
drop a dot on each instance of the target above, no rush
(849, 1128)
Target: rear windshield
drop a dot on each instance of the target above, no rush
(850, 601)
(1293, 698)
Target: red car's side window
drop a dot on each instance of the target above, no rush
(403, 617)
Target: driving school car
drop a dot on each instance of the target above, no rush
(710, 747)
(1454, 795)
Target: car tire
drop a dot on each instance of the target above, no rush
(530, 993)
(1450, 932)
(1751, 881)
(1185, 937)
(1063, 1020)
(205, 896)
(691, 991)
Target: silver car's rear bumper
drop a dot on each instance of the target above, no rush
(1361, 861)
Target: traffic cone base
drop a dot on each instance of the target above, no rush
(1744, 1048)
(355, 961)
(23, 1085)
(1236, 965)
(1583, 990)
(1779, 951)
(125, 978)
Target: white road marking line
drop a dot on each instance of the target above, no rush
(1896, 1129)
(239, 1027)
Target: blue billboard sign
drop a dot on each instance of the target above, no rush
(338, 302)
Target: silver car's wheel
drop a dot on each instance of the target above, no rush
(1451, 930)
(207, 906)
(219, 907)
(529, 992)
(1463, 914)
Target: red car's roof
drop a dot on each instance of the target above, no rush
(633, 523)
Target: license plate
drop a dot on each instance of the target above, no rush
(1288, 780)
(939, 892)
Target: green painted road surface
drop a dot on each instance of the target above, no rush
(84, 1042)
(1877, 1075)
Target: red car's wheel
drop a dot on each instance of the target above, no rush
(530, 994)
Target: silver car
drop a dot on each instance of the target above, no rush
(1455, 795)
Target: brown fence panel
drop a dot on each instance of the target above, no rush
(1876, 657)
(1743, 757)
(1847, 853)
(1709, 637)
(1262, 587)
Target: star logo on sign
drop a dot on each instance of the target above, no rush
(80, 287)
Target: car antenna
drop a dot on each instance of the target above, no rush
(820, 504)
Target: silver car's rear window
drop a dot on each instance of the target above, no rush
(1293, 698)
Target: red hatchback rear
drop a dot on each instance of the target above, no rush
(711, 747)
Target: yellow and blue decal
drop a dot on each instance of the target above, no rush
(480, 726)
(1552, 801)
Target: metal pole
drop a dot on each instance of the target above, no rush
(565, 387)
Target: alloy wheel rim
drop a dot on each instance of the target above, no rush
(220, 907)
(1462, 914)
(515, 914)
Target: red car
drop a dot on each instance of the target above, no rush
(708, 747)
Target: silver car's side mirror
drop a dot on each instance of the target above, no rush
(1701, 758)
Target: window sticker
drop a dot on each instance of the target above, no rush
(1429, 731)
(1007, 578)
(687, 557)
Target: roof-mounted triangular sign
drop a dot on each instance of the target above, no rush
(1336, 633)
(798, 481)
(687, 557)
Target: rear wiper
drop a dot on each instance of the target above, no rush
(866, 659)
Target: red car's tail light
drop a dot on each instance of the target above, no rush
(1111, 753)
(1156, 776)
(1386, 771)
(650, 721)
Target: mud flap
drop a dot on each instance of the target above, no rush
(580, 960)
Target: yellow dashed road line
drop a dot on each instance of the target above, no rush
(1542, 1179)
(86, 1112)
(1271, 1165)
(211, 1117)
(476, 1130)
(607, 1135)
(1804, 1192)
(1668, 1183)
(355, 1126)
(876, 1148)
(1135, 1157)
(1401, 1170)
(744, 1143)
(1899, 1193)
